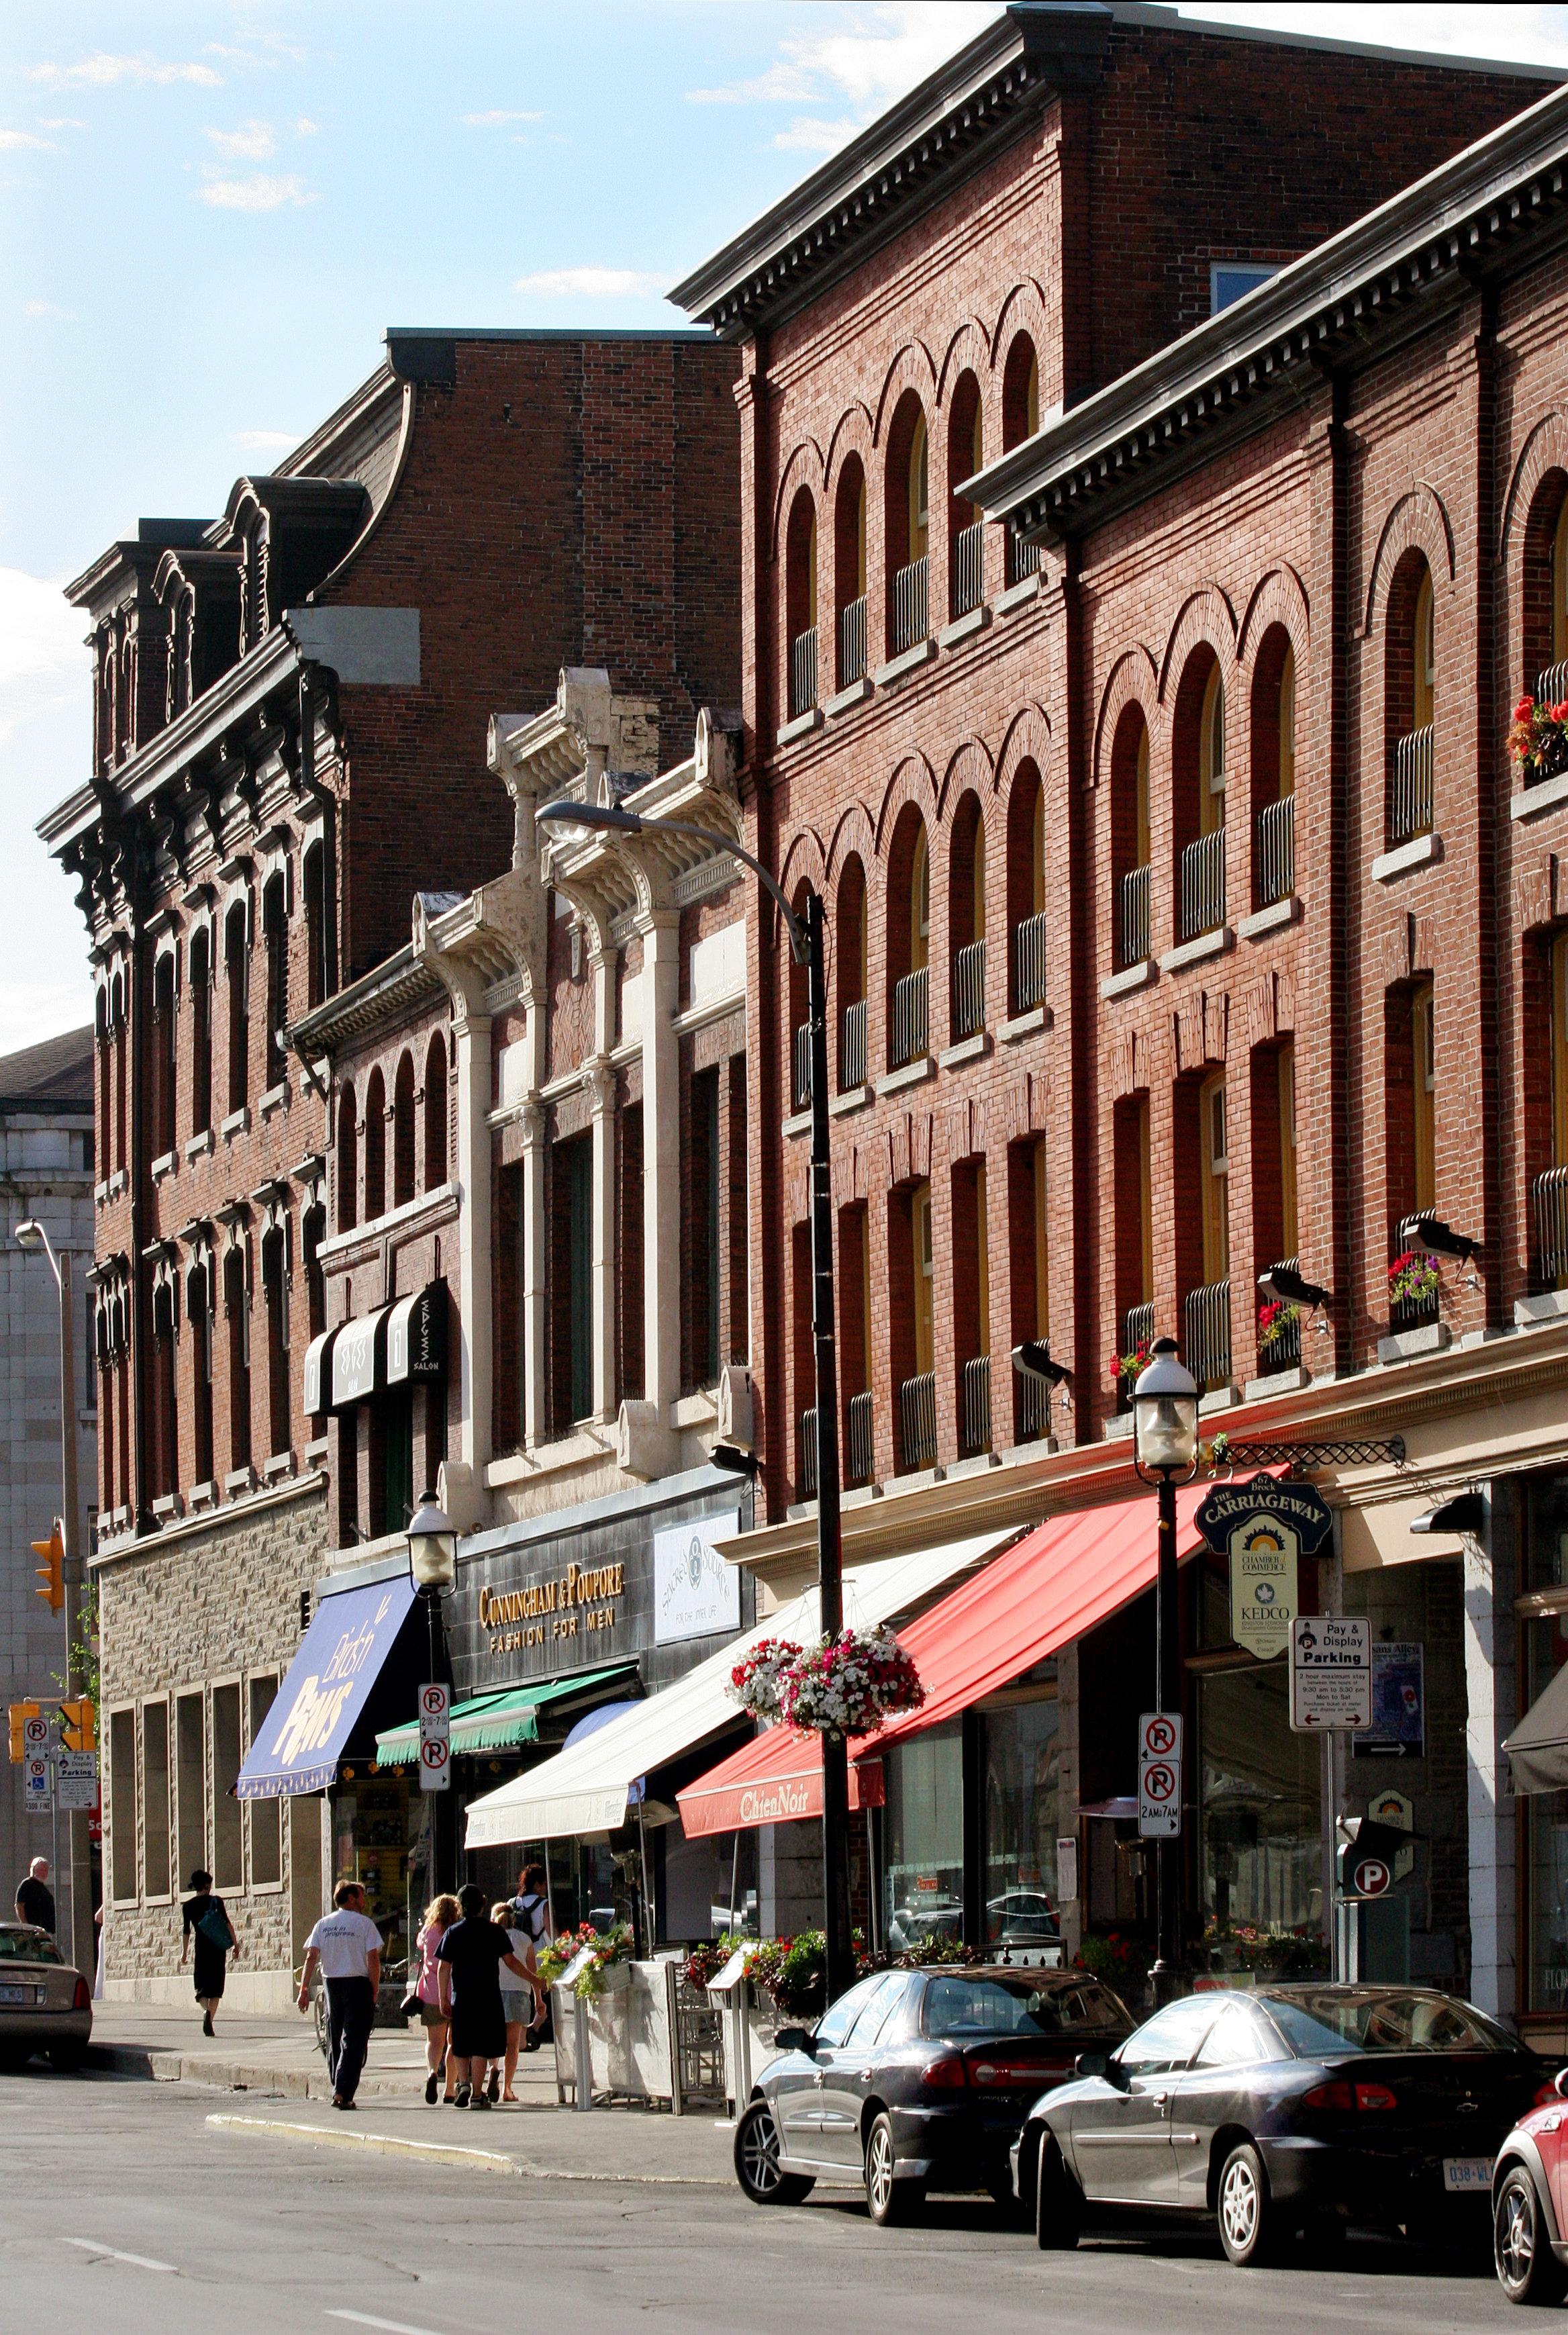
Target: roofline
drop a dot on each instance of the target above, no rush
(383, 383)
(547, 331)
(1269, 328)
(877, 167)
(403, 979)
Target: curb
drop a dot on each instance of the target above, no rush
(479, 2160)
(156, 2067)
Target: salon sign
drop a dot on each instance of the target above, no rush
(1264, 1528)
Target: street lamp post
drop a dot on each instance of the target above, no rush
(432, 1568)
(31, 1234)
(1164, 1402)
(806, 947)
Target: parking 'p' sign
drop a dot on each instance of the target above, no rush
(435, 1737)
(1159, 1774)
(1372, 1877)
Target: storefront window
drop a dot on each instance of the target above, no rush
(1545, 1650)
(923, 1830)
(1021, 1818)
(1260, 1850)
(377, 1824)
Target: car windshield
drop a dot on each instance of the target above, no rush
(961, 2006)
(27, 1946)
(1324, 2023)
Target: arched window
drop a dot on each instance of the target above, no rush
(436, 1114)
(237, 968)
(966, 917)
(375, 1148)
(275, 1296)
(164, 1060)
(275, 936)
(403, 1132)
(105, 1078)
(200, 964)
(347, 1164)
(850, 967)
(1273, 769)
(312, 1233)
(1198, 797)
(907, 524)
(909, 939)
(1020, 394)
(800, 603)
(1026, 887)
(849, 571)
(1411, 699)
(1560, 592)
(800, 1014)
(117, 1011)
(313, 887)
(198, 1314)
(237, 1311)
(1130, 839)
(966, 529)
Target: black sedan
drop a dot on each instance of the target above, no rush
(1297, 2107)
(918, 2079)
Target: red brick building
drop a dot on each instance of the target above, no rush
(1145, 856)
(291, 708)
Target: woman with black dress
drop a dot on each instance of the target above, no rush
(468, 1963)
(206, 1917)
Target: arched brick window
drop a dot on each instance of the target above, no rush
(908, 939)
(801, 602)
(1273, 769)
(436, 1113)
(1130, 839)
(849, 572)
(1026, 920)
(965, 526)
(1410, 700)
(347, 1162)
(1199, 776)
(906, 526)
(375, 1148)
(403, 1132)
(850, 970)
(966, 917)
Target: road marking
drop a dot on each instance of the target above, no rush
(391, 2326)
(113, 2254)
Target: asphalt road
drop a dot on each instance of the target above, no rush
(123, 2212)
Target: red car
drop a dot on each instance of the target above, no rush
(1530, 2202)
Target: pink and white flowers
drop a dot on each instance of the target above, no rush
(841, 1686)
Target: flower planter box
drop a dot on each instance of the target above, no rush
(626, 2028)
(750, 2027)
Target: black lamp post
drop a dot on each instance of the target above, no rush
(1164, 1403)
(806, 944)
(432, 1568)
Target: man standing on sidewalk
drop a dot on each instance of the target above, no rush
(347, 1944)
(35, 1898)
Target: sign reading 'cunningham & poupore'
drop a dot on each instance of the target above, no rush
(543, 1613)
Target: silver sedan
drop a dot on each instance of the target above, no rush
(44, 2004)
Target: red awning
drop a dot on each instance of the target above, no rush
(773, 1779)
(1061, 1580)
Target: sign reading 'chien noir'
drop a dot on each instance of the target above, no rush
(1264, 1526)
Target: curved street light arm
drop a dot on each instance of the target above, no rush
(610, 818)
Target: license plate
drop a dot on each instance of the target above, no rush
(16, 1994)
(1467, 2173)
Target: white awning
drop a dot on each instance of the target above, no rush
(588, 1788)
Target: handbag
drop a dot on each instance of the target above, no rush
(214, 1927)
(411, 2003)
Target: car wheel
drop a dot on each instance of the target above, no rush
(888, 2200)
(1057, 2217)
(756, 2166)
(1245, 2216)
(67, 2057)
(1527, 2269)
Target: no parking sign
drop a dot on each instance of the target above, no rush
(1159, 1774)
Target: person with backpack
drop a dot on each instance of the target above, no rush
(206, 1917)
(531, 1906)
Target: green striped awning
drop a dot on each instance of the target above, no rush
(498, 1721)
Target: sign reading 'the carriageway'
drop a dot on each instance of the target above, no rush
(1263, 1527)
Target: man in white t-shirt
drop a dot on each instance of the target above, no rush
(347, 1944)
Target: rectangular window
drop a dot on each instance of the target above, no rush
(397, 1442)
(1425, 1039)
(1041, 1247)
(1233, 279)
(1291, 1239)
(122, 1807)
(265, 1816)
(923, 1830)
(924, 1284)
(155, 1799)
(579, 1167)
(1146, 1203)
(982, 1261)
(1259, 1842)
(227, 1855)
(1560, 1048)
(1021, 1808)
(190, 1784)
(1217, 1183)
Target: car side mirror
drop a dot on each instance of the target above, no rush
(1561, 2082)
(795, 2038)
(1092, 2063)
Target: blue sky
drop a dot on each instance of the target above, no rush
(210, 214)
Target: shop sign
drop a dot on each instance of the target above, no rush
(416, 1336)
(1159, 1774)
(584, 1599)
(1264, 1526)
(695, 1593)
(1331, 1671)
(1396, 1728)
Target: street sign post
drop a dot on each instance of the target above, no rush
(1159, 1774)
(435, 1738)
(1331, 1672)
(38, 1783)
(35, 1732)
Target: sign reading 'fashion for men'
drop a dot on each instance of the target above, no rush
(695, 1593)
(1264, 1526)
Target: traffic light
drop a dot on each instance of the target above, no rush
(21, 1712)
(52, 1552)
(78, 1730)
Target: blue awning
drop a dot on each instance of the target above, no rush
(302, 1739)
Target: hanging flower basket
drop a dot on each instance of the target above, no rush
(1538, 740)
(1413, 1278)
(848, 1684)
(754, 1682)
(1125, 1367)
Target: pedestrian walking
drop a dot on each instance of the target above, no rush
(439, 1915)
(206, 1918)
(35, 1898)
(533, 1914)
(518, 2002)
(470, 1958)
(347, 1944)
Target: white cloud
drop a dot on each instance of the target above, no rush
(103, 71)
(266, 441)
(11, 141)
(262, 191)
(496, 119)
(808, 135)
(63, 121)
(46, 309)
(253, 141)
(305, 127)
(594, 284)
(42, 662)
(870, 57)
(33, 1011)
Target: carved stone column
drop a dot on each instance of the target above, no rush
(535, 1424)
(599, 1080)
